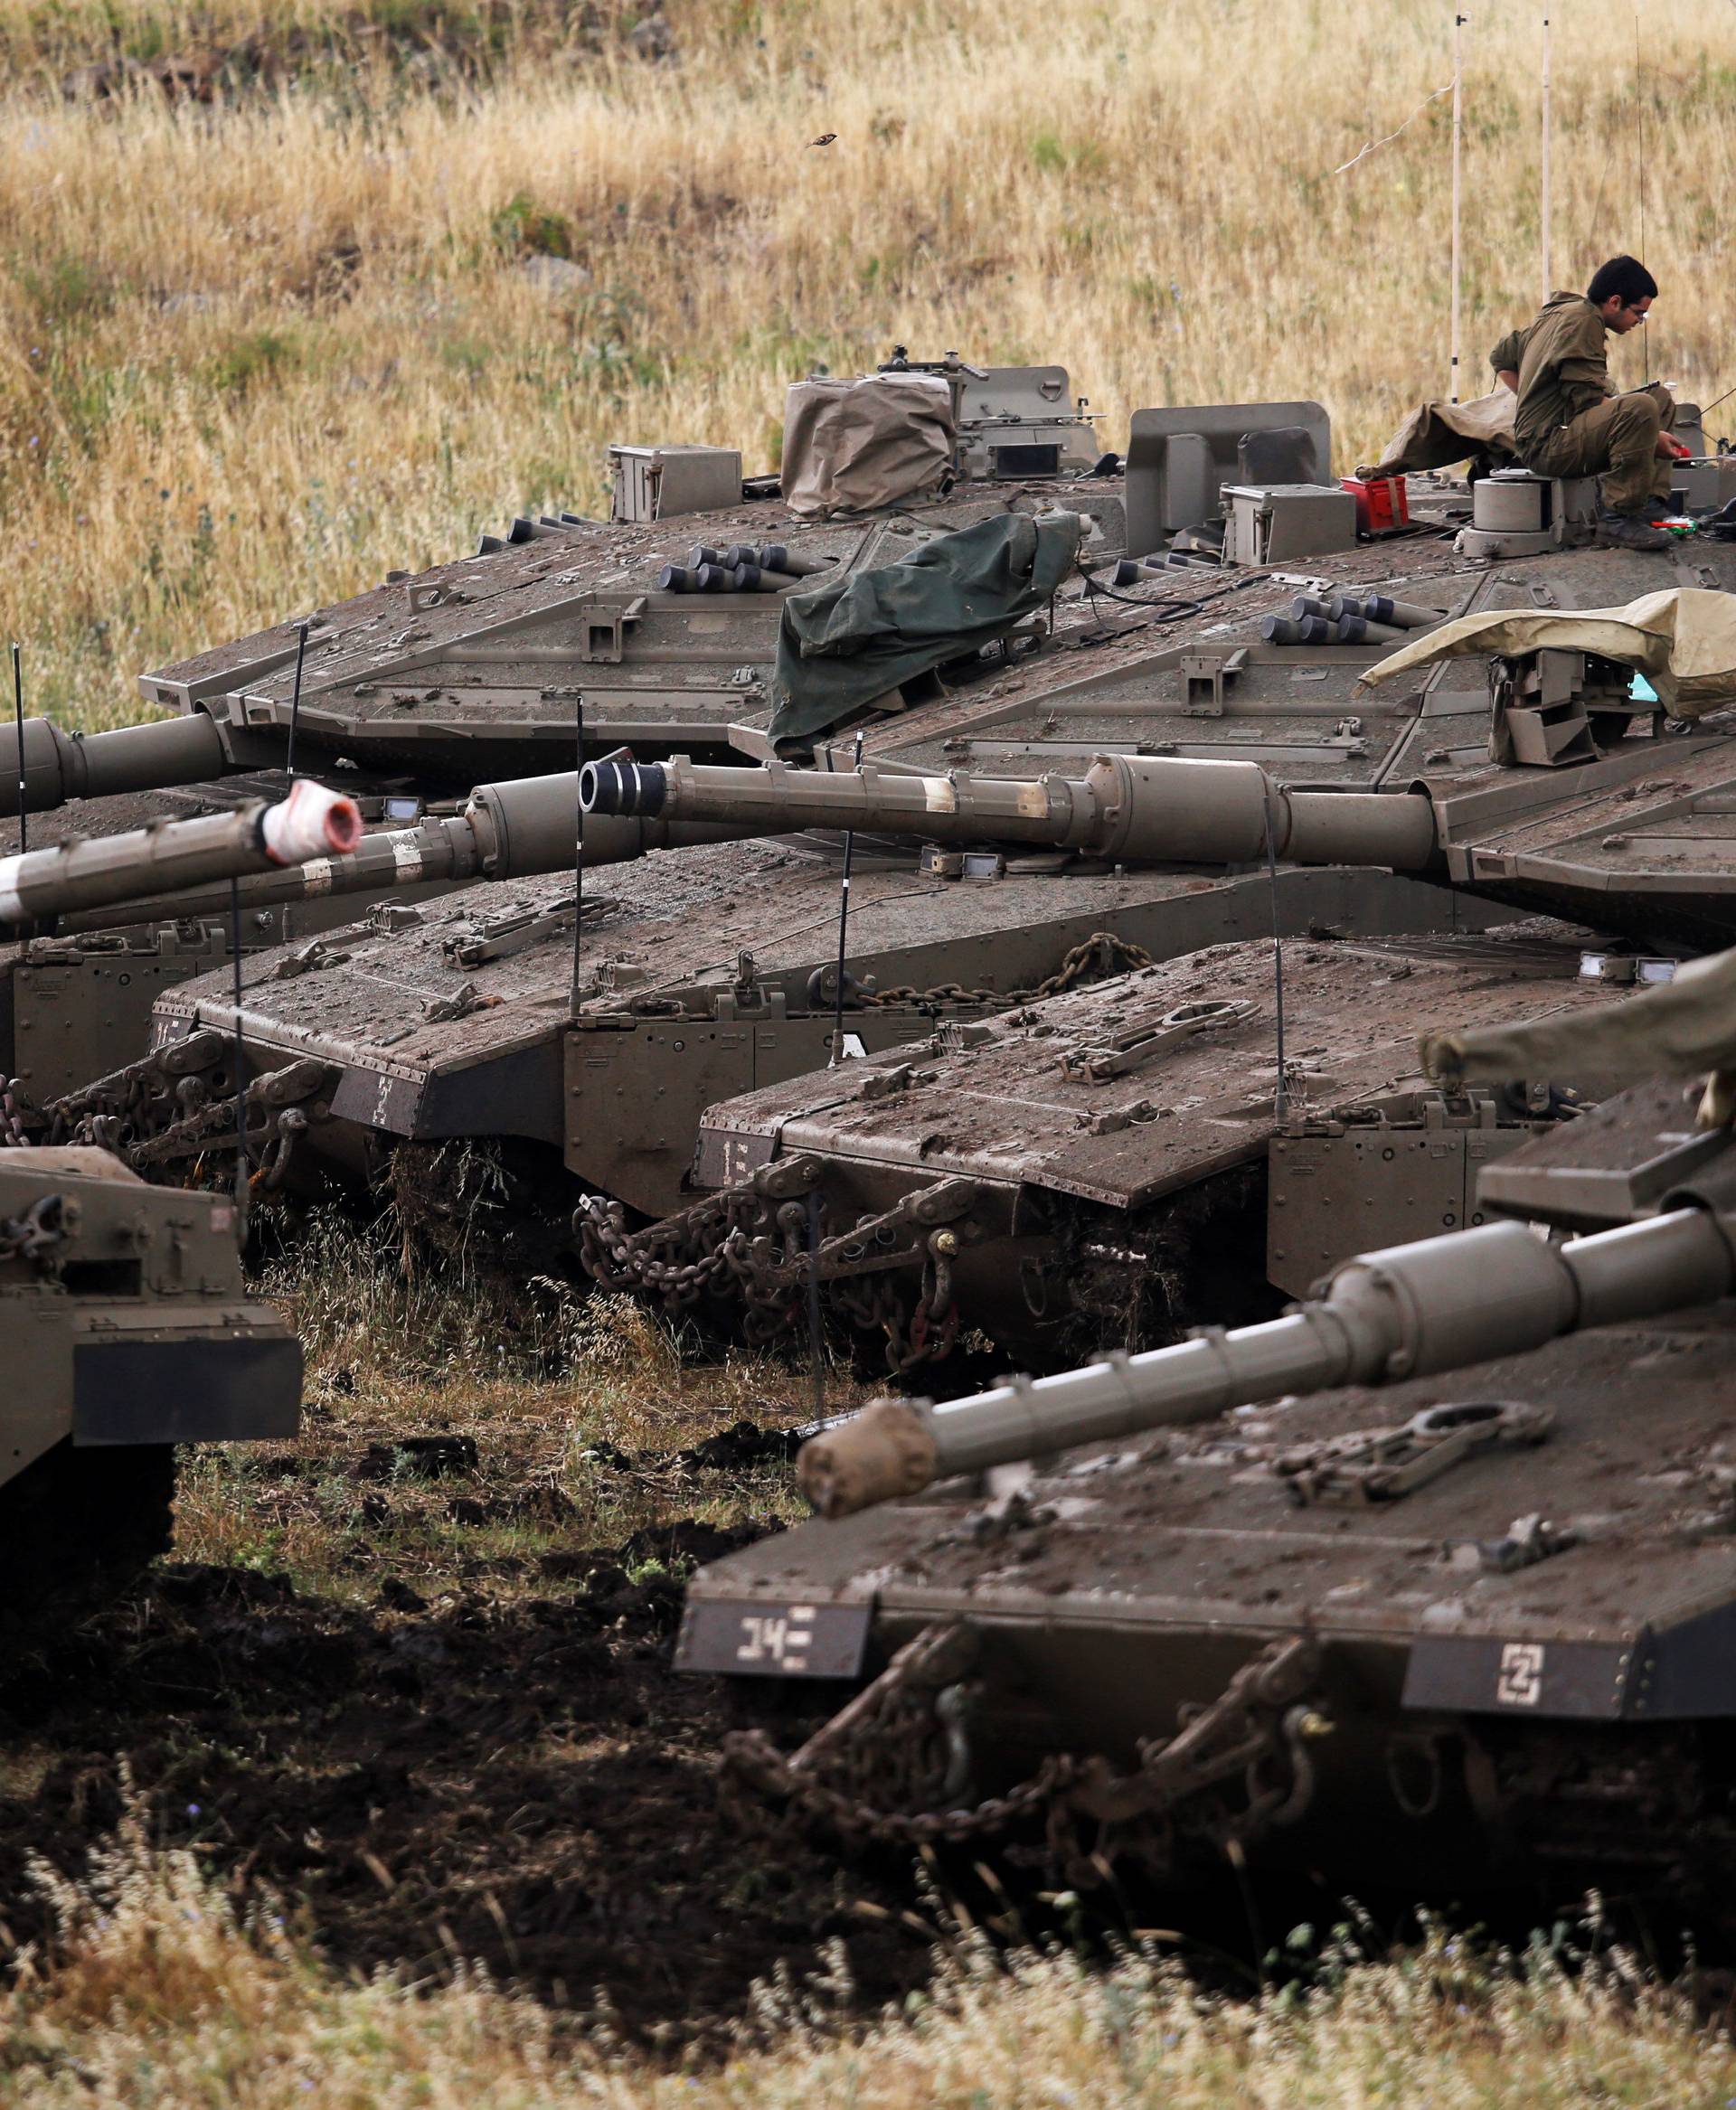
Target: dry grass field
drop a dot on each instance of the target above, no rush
(167, 1999)
(357, 283)
(256, 351)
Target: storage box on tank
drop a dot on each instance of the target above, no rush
(651, 482)
(1266, 523)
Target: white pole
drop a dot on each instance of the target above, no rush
(1548, 285)
(1458, 21)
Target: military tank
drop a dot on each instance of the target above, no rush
(409, 694)
(1430, 1573)
(486, 1063)
(123, 1312)
(1104, 1164)
(473, 668)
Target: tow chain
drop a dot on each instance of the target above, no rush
(1263, 1714)
(166, 1110)
(756, 1244)
(676, 1259)
(723, 1241)
(1094, 958)
(869, 1744)
(14, 1132)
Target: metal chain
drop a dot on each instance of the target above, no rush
(675, 1259)
(863, 1742)
(751, 1755)
(14, 1135)
(1257, 1716)
(1101, 954)
(148, 1116)
(733, 1239)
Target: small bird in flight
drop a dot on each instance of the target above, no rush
(825, 139)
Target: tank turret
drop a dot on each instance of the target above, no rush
(1429, 1573)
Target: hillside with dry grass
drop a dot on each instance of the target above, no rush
(409, 267)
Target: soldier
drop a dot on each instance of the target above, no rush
(1569, 422)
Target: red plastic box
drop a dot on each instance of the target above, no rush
(1382, 503)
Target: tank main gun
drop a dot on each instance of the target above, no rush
(516, 830)
(97, 871)
(1407, 1312)
(1132, 808)
(59, 767)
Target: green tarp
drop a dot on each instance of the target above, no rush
(845, 644)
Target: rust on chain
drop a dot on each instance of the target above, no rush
(1094, 958)
(751, 1240)
(1254, 1735)
(167, 1111)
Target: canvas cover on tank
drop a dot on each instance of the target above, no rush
(856, 638)
(1436, 435)
(1684, 640)
(856, 446)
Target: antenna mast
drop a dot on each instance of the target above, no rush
(1458, 23)
(1639, 131)
(1547, 276)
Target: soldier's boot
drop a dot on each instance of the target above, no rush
(1630, 531)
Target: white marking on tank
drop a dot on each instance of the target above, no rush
(783, 1639)
(1520, 1681)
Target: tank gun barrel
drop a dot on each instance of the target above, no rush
(515, 830)
(61, 765)
(1127, 807)
(1407, 1312)
(97, 870)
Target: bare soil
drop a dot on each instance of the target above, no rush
(524, 1784)
(503, 1768)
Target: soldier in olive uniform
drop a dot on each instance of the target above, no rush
(1569, 422)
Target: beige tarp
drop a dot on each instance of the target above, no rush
(1683, 640)
(854, 446)
(1686, 1028)
(1436, 435)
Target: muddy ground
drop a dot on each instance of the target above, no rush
(520, 1782)
(447, 1754)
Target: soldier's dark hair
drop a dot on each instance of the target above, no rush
(1626, 276)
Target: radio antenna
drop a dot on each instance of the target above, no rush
(578, 848)
(295, 698)
(1639, 133)
(18, 721)
(1548, 276)
(1458, 23)
(1281, 1092)
(241, 1182)
(843, 926)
